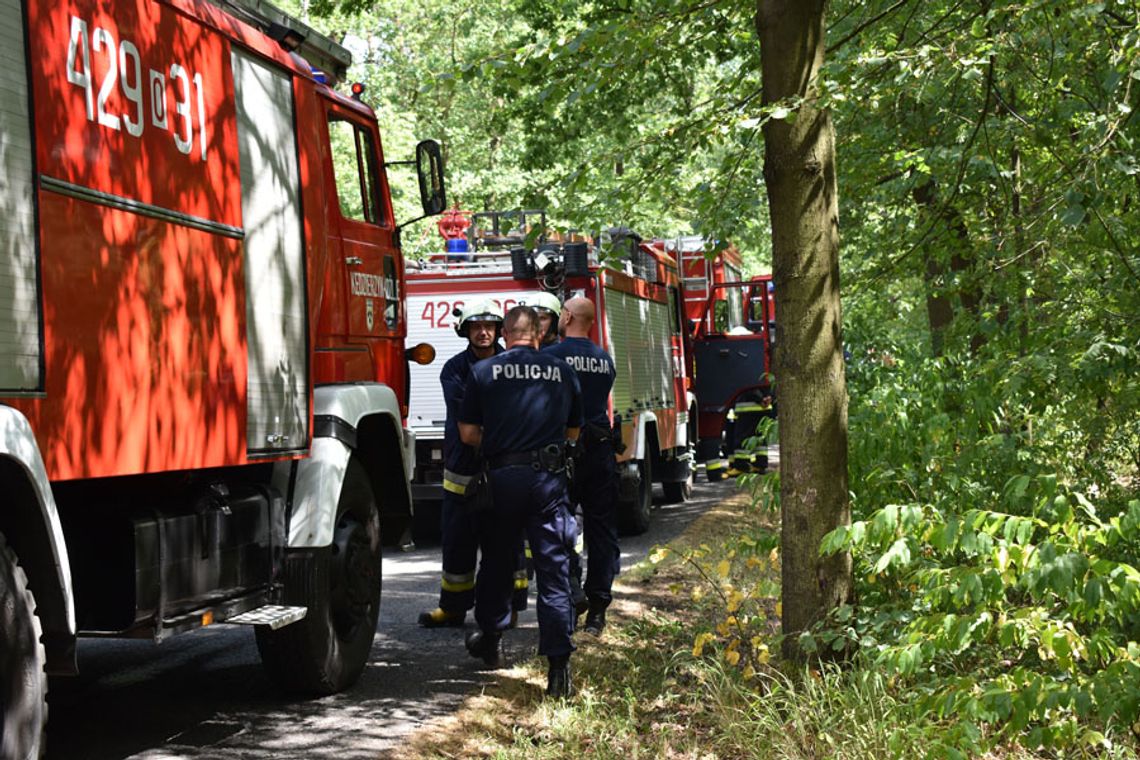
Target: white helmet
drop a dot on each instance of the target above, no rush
(483, 310)
(544, 300)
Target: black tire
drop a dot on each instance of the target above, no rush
(23, 681)
(634, 515)
(326, 651)
(679, 491)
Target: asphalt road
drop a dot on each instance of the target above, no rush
(203, 694)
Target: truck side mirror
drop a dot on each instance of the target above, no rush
(429, 168)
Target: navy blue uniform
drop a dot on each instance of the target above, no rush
(458, 530)
(595, 476)
(525, 400)
(458, 537)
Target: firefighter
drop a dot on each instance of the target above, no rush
(595, 483)
(744, 417)
(480, 324)
(522, 406)
(549, 308)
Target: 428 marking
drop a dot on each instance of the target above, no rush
(124, 68)
(439, 313)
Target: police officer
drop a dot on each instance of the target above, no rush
(479, 323)
(549, 310)
(521, 407)
(594, 471)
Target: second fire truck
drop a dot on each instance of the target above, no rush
(641, 321)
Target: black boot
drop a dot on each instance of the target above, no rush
(558, 678)
(595, 618)
(486, 645)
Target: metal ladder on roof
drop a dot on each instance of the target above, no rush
(323, 54)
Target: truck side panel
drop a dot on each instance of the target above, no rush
(146, 360)
(21, 360)
(144, 283)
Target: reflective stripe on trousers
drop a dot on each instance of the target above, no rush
(455, 483)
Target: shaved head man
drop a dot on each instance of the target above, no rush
(595, 476)
(577, 318)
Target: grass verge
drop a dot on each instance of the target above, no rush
(682, 671)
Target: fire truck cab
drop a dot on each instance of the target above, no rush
(640, 322)
(202, 340)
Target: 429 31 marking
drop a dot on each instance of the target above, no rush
(125, 74)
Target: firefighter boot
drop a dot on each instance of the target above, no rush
(487, 646)
(595, 618)
(558, 678)
(439, 617)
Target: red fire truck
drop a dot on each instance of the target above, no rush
(640, 322)
(733, 339)
(202, 340)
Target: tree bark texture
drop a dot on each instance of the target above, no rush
(799, 173)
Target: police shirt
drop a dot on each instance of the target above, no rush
(596, 372)
(458, 456)
(524, 400)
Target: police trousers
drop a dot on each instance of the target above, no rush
(534, 504)
(597, 489)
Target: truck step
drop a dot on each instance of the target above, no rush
(273, 615)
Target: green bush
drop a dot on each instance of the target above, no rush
(996, 543)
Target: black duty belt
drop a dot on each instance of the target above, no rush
(549, 458)
(511, 459)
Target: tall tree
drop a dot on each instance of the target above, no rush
(800, 176)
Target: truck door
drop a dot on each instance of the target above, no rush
(365, 228)
(730, 357)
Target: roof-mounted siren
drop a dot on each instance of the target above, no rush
(575, 257)
(522, 264)
(328, 60)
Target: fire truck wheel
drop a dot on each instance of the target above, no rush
(326, 651)
(679, 491)
(634, 514)
(23, 682)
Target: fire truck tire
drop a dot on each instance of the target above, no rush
(23, 681)
(634, 514)
(326, 651)
(680, 490)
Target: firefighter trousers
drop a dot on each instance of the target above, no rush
(459, 540)
(531, 503)
(459, 546)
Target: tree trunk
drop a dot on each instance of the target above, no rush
(947, 279)
(799, 173)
